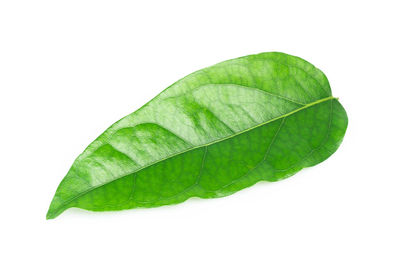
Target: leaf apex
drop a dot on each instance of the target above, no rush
(55, 209)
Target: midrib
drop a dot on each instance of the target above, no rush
(64, 205)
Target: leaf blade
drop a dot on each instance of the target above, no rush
(206, 114)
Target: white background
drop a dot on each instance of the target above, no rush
(69, 69)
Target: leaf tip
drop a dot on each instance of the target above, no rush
(55, 209)
(51, 214)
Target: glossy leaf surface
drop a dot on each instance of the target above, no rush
(212, 133)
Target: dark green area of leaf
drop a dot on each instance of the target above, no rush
(212, 133)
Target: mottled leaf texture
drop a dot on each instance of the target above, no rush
(218, 130)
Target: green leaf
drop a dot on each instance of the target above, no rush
(212, 133)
